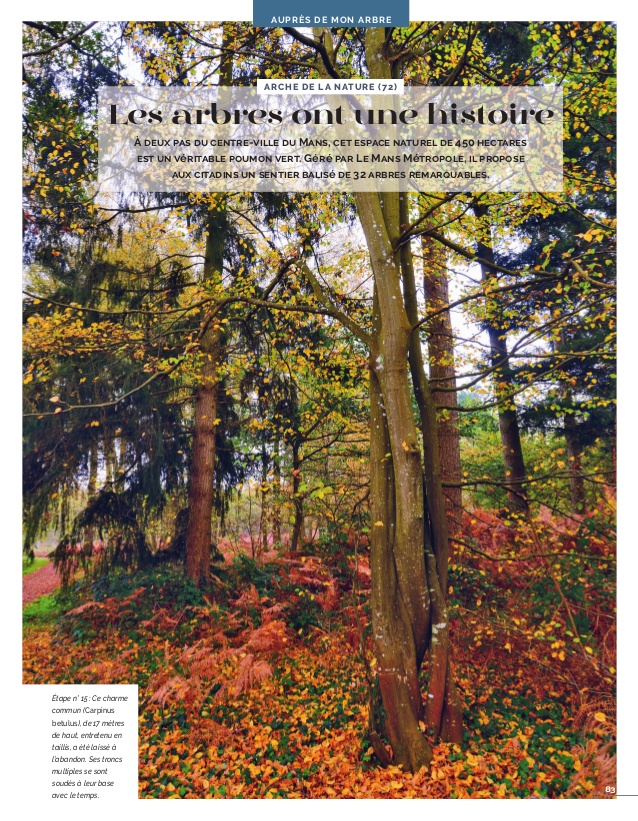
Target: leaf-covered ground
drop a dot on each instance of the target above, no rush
(38, 579)
(259, 690)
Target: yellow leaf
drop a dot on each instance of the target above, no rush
(600, 717)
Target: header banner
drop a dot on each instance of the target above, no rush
(331, 13)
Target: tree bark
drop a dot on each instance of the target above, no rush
(400, 599)
(202, 477)
(263, 519)
(574, 456)
(110, 460)
(504, 383)
(394, 640)
(121, 459)
(87, 547)
(443, 709)
(297, 497)
(443, 375)
(276, 501)
(202, 474)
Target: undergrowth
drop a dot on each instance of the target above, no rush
(256, 687)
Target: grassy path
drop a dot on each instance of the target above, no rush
(39, 583)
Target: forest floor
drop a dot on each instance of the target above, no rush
(258, 688)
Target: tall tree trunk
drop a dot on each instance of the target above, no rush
(263, 519)
(574, 456)
(400, 598)
(503, 380)
(121, 457)
(276, 500)
(394, 640)
(297, 497)
(202, 474)
(110, 460)
(409, 525)
(87, 547)
(443, 375)
(443, 707)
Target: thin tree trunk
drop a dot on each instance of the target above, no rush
(276, 501)
(201, 487)
(297, 498)
(574, 456)
(504, 383)
(263, 520)
(121, 459)
(398, 663)
(110, 460)
(400, 610)
(443, 709)
(443, 375)
(202, 477)
(87, 548)
(202, 474)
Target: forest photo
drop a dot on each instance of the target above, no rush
(330, 475)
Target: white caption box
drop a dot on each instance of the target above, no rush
(82, 742)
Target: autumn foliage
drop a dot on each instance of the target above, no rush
(330, 476)
(262, 692)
